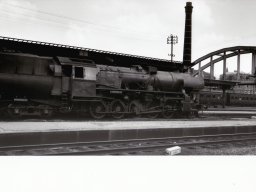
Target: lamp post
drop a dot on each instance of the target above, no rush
(172, 40)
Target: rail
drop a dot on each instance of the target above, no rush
(124, 146)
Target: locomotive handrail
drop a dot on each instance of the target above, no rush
(137, 90)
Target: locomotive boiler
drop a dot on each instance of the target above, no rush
(36, 85)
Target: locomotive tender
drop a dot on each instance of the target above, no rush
(39, 85)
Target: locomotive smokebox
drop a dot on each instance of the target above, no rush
(187, 36)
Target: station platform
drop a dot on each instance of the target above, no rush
(27, 133)
(231, 108)
(27, 127)
(228, 113)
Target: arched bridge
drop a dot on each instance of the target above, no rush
(223, 55)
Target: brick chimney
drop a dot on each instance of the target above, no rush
(187, 36)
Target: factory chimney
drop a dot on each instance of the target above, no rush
(187, 36)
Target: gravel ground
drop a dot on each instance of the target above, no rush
(225, 149)
(229, 149)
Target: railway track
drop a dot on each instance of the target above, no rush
(126, 147)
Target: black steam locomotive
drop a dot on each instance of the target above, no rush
(40, 85)
(38, 78)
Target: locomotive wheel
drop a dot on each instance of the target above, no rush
(13, 111)
(169, 110)
(46, 112)
(117, 107)
(152, 106)
(135, 108)
(98, 110)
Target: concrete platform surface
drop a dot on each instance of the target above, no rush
(229, 108)
(228, 112)
(23, 127)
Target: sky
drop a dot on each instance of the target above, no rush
(138, 27)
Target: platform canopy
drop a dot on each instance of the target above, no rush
(220, 83)
(98, 56)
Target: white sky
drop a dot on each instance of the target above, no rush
(132, 26)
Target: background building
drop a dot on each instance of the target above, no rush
(243, 77)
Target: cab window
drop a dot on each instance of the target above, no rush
(79, 72)
(67, 70)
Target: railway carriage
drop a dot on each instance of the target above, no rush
(215, 98)
(209, 99)
(241, 99)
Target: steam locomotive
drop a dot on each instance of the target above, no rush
(38, 78)
(40, 85)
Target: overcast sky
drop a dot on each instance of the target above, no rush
(131, 26)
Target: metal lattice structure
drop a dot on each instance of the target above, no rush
(223, 55)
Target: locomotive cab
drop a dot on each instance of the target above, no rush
(78, 78)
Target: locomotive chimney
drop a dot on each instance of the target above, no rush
(187, 36)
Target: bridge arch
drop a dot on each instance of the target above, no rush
(223, 55)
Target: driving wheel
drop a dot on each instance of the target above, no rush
(117, 108)
(98, 110)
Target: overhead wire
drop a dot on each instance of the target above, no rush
(11, 16)
(61, 23)
(64, 26)
(95, 25)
